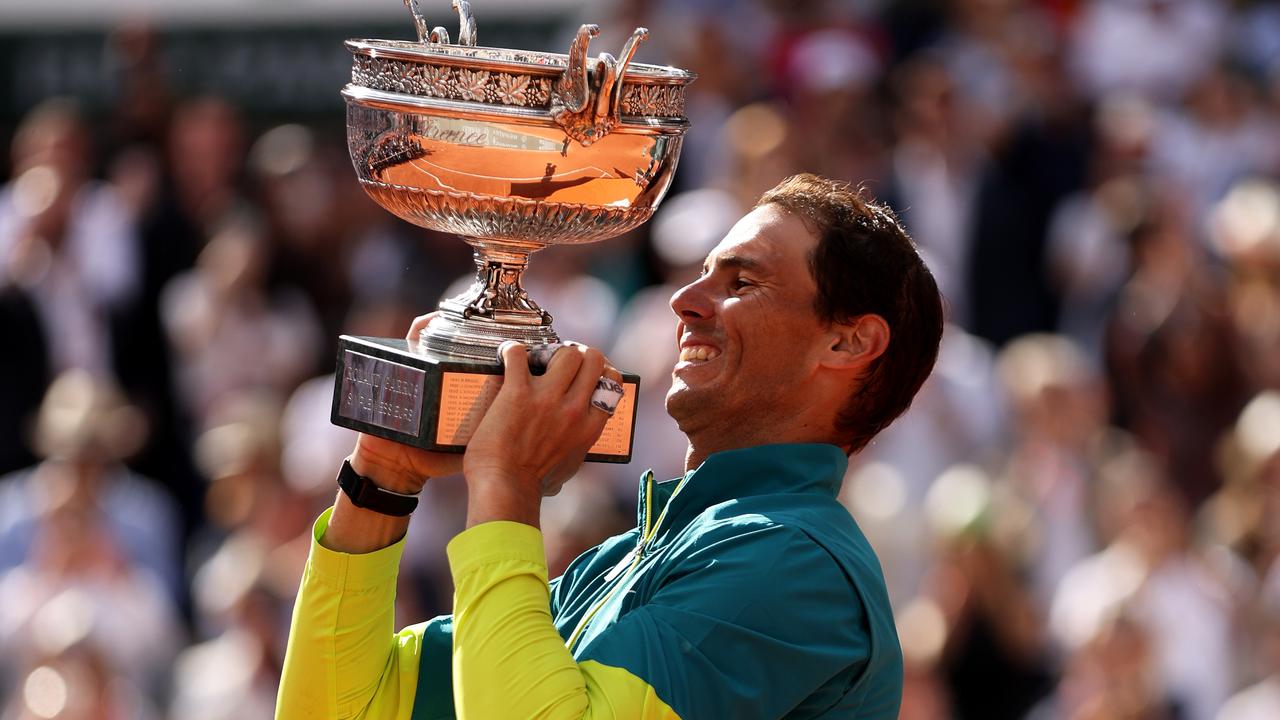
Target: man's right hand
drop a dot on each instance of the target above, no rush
(398, 467)
(391, 466)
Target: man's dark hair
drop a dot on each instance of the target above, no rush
(864, 263)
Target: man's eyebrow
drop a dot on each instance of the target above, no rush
(740, 262)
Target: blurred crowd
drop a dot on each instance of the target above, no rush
(1079, 517)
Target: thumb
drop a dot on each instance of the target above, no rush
(515, 363)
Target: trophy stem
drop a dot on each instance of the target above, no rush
(494, 309)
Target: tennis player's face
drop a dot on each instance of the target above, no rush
(748, 333)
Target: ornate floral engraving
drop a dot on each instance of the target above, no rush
(471, 84)
(438, 81)
(536, 94)
(653, 101)
(512, 89)
(500, 88)
(644, 100)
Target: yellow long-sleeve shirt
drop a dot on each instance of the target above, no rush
(745, 591)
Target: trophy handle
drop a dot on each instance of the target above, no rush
(466, 23)
(419, 21)
(624, 61)
(587, 97)
(573, 87)
(438, 35)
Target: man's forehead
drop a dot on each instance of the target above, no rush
(766, 235)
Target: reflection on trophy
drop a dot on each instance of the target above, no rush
(514, 151)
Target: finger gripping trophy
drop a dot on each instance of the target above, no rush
(513, 151)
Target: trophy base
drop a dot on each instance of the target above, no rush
(384, 388)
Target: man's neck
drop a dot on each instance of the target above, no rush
(702, 446)
(728, 430)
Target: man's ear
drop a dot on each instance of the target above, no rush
(855, 344)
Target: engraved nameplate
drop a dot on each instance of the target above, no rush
(380, 392)
(464, 398)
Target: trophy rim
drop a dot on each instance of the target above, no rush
(492, 58)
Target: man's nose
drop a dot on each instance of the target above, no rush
(691, 302)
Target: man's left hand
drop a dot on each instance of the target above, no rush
(536, 434)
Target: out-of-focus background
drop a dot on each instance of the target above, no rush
(1078, 518)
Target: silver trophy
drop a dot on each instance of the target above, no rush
(512, 150)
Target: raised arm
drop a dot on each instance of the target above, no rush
(345, 659)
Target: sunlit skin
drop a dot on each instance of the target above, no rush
(757, 365)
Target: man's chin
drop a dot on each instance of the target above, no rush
(684, 401)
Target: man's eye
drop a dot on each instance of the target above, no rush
(740, 283)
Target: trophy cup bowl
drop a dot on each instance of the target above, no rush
(513, 151)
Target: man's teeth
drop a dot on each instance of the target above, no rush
(699, 352)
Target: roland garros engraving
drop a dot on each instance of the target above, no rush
(380, 392)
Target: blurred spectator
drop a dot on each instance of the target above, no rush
(234, 674)
(760, 143)
(305, 244)
(71, 262)
(1222, 137)
(83, 431)
(1061, 439)
(1248, 515)
(830, 82)
(995, 656)
(922, 630)
(1245, 227)
(1087, 259)
(1244, 516)
(142, 113)
(1112, 674)
(90, 551)
(1153, 577)
(201, 190)
(73, 293)
(229, 330)
(77, 684)
(1261, 700)
(246, 565)
(1156, 47)
(936, 166)
(1176, 379)
(78, 587)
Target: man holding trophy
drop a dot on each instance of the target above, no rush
(746, 589)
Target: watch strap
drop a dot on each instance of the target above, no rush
(364, 493)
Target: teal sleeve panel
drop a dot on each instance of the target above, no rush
(434, 698)
(752, 623)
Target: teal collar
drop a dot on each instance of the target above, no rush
(734, 474)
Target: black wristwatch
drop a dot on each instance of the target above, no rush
(365, 494)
